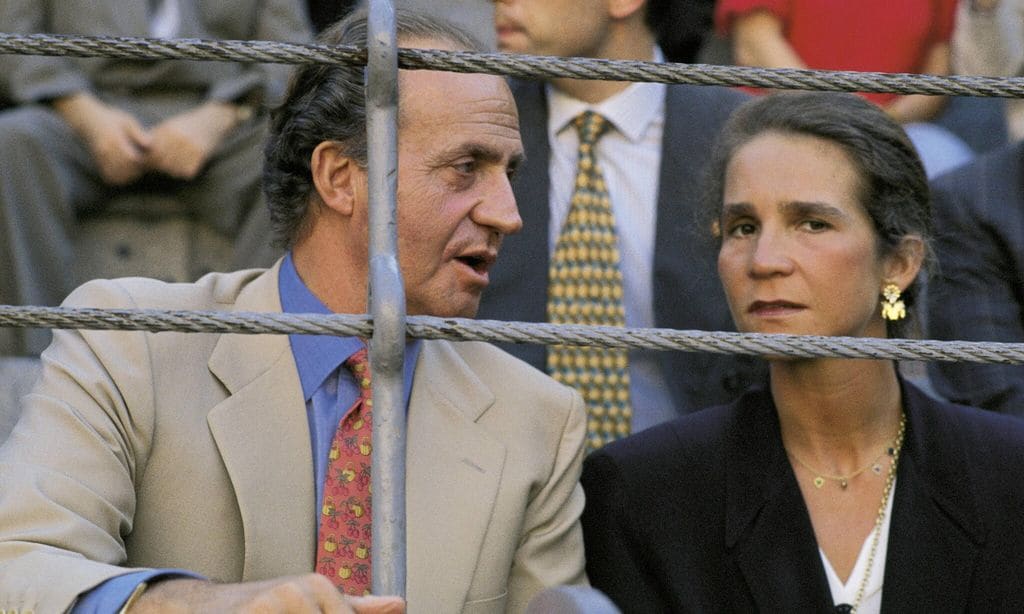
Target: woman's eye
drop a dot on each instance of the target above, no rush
(815, 225)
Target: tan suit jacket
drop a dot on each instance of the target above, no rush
(193, 451)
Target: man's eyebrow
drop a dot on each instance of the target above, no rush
(482, 152)
(516, 160)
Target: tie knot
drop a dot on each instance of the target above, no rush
(359, 364)
(591, 126)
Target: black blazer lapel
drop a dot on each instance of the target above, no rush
(768, 529)
(937, 534)
(936, 531)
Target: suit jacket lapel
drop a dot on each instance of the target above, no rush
(768, 530)
(527, 253)
(519, 281)
(937, 532)
(454, 469)
(531, 185)
(262, 433)
(684, 256)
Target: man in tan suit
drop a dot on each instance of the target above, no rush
(181, 467)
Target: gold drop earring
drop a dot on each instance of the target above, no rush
(892, 307)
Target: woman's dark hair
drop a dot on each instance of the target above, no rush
(326, 102)
(893, 186)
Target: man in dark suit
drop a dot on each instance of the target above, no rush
(652, 159)
(978, 293)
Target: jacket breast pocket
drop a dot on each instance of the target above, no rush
(490, 605)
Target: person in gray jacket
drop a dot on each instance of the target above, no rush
(83, 129)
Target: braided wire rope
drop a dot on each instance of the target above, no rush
(499, 331)
(523, 66)
(514, 65)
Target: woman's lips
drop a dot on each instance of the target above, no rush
(773, 308)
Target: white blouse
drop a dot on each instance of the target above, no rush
(871, 603)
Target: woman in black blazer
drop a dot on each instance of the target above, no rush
(838, 486)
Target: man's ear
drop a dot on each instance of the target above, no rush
(903, 264)
(621, 9)
(338, 179)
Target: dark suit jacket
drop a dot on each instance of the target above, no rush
(978, 293)
(704, 514)
(687, 293)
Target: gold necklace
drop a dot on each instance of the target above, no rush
(877, 531)
(844, 480)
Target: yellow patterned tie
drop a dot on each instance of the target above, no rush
(585, 287)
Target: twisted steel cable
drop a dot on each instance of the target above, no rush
(496, 331)
(515, 65)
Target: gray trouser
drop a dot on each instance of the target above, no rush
(48, 178)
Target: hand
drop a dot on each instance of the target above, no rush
(182, 144)
(117, 140)
(296, 594)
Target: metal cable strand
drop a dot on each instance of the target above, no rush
(461, 329)
(516, 65)
(545, 67)
(273, 52)
(247, 323)
(719, 342)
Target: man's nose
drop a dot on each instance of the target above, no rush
(497, 208)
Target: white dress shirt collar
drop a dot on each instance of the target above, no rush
(631, 111)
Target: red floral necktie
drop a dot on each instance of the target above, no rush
(343, 548)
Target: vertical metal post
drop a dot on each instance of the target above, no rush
(387, 305)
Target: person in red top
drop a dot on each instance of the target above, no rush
(911, 36)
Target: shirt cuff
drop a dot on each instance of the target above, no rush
(112, 594)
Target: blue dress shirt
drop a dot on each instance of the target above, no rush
(327, 385)
(329, 390)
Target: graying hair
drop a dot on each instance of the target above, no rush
(326, 102)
